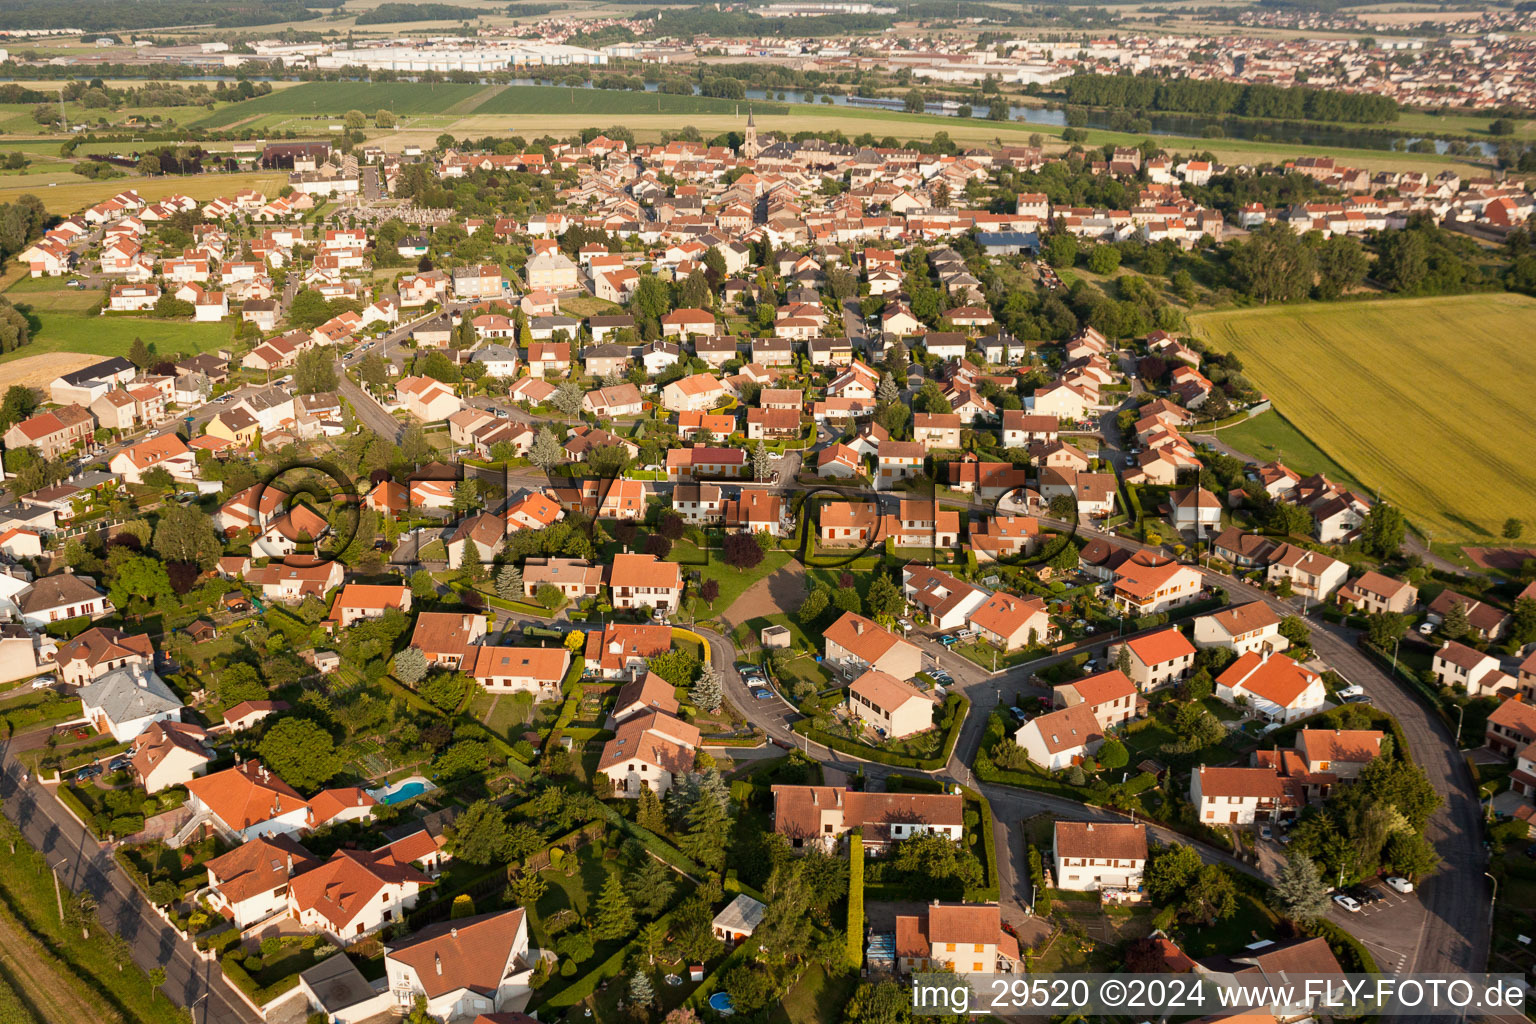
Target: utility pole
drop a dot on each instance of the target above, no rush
(58, 894)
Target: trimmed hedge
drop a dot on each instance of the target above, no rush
(855, 936)
(654, 843)
(1352, 954)
(992, 886)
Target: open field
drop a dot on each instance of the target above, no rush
(74, 195)
(1423, 400)
(338, 97)
(36, 370)
(99, 336)
(544, 99)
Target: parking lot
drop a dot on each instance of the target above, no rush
(1389, 927)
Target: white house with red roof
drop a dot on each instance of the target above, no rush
(1278, 688)
(1061, 738)
(1159, 659)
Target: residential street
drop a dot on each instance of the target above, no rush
(1446, 931)
(84, 865)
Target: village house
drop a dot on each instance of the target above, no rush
(368, 601)
(1240, 796)
(1242, 628)
(99, 650)
(1274, 687)
(1061, 738)
(126, 701)
(648, 751)
(1103, 857)
(462, 968)
(448, 639)
(819, 816)
(1011, 623)
(946, 600)
(891, 706)
(168, 754)
(1159, 659)
(249, 884)
(1312, 574)
(963, 938)
(1374, 594)
(1466, 668)
(644, 581)
(857, 644)
(622, 651)
(1110, 695)
(535, 670)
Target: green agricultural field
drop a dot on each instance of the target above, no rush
(316, 98)
(113, 335)
(554, 99)
(1424, 401)
(1270, 436)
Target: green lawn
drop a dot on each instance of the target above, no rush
(1269, 436)
(113, 335)
(733, 581)
(1252, 922)
(815, 999)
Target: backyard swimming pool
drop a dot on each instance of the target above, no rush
(403, 790)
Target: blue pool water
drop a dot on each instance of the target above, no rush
(405, 792)
(721, 1003)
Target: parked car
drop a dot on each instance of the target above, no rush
(1350, 692)
(1365, 895)
(43, 682)
(87, 773)
(1265, 832)
(1426, 628)
(763, 694)
(1349, 903)
(949, 640)
(120, 763)
(1398, 884)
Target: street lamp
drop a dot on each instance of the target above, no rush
(1461, 712)
(1493, 902)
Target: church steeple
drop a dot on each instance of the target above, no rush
(749, 146)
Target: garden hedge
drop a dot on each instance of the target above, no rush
(855, 935)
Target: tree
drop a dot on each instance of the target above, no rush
(614, 918)
(641, 992)
(1384, 629)
(1382, 531)
(384, 119)
(300, 752)
(762, 462)
(742, 551)
(1211, 895)
(546, 450)
(140, 577)
(1411, 855)
(567, 397)
(1455, 624)
(549, 596)
(149, 165)
(887, 390)
(19, 403)
(1513, 528)
(814, 606)
(1062, 506)
(648, 812)
(509, 583)
(1104, 259)
(1169, 871)
(314, 372)
(463, 906)
(706, 692)
(1123, 659)
(1273, 265)
(355, 119)
(1300, 892)
(1341, 264)
(479, 835)
(411, 666)
(1113, 756)
(156, 981)
(706, 824)
(1060, 250)
(139, 354)
(784, 934)
(526, 890)
(886, 602)
(1294, 629)
(309, 309)
(185, 534)
(881, 1002)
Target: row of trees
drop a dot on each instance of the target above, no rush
(1200, 96)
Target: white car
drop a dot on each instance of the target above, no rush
(1426, 628)
(43, 682)
(1401, 885)
(1351, 692)
(1349, 903)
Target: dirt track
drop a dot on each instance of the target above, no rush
(31, 973)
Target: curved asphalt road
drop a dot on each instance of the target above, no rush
(1454, 934)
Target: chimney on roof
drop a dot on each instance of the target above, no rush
(290, 863)
(437, 962)
(454, 932)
